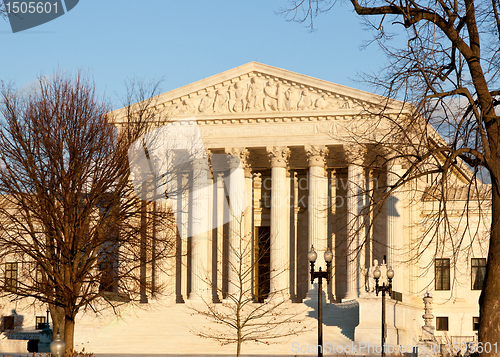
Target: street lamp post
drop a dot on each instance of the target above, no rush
(47, 323)
(312, 255)
(383, 288)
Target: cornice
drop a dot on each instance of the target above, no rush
(280, 117)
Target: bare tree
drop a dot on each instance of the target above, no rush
(449, 71)
(69, 218)
(3, 11)
(249, 312)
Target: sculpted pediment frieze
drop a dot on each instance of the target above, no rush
(258, 92)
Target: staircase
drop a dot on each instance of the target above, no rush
(157, 328)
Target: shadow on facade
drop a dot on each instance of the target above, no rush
(343, 315)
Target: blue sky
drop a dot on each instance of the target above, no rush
(185, 41)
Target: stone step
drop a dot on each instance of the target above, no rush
(173, 328)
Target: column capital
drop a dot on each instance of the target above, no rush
(392, 157)
(210, 168)
(200, 164)
(238, 155)
(316, 154)
(394, 162)
(394, 173)
(278, 155)
(355, 154)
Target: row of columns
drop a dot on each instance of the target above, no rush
(241, 220)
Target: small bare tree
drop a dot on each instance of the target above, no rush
(69, 217)
(249, 312)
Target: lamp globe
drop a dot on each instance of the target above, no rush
(58, 346)
(390, 273)
(312, 255)
(328, 255)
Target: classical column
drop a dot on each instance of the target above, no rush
(332, 211)
(239, 247)
(317, 204)
(394, 208)
(294, 250)
(363, 236)
(355, 191)
(211, 230)
(221, 210)
(288, 222)
(367, 261)
(198, 230)
(184, 266)
(258, 204)
(248, 226)
(279, 265)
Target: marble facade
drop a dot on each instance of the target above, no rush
(303, 146)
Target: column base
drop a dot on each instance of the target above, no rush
(351, 295)
(313, 294)
(199, 297)
(236, 296)
(279, 296)
(216, 298)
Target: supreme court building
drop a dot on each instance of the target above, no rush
(279, 162)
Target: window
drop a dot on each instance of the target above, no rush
(477, 273)
(108, 253)
(475, 323)
(11, 277)
(442, 323)
(7, 323)
(442, 274)
(108, 268)
(40, 322)
(108, 280)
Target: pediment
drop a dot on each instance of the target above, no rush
(255, 89)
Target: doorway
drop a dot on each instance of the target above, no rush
(262, 262)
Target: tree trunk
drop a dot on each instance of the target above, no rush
(489, 302)
(238, 344)
(69, 334)
(57, 314)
